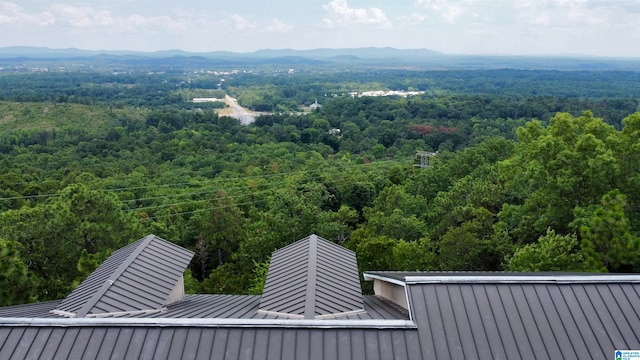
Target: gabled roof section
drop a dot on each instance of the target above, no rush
(312, 279)
(141, 277)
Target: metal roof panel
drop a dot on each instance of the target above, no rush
(140, 276)
(312, 277)
(529, 320)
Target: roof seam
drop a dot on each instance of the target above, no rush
(520, 321)
(599, 323)
(535, 321)
(548, 322)
(624, 293)
(509, 322)
(616, 324)
(476, 305)
(456, 324)
(574, 317)
(494, 317)
(465, 317)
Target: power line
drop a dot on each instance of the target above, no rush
(385, 162)
(221, 198)
(207, 209)
(29, 197)
(144, 187)
(221, 179)
(271, 186)
(210, 208)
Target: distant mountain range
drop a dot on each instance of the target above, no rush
(362, 53)
(367, 56)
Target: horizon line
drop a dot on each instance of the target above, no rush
(250, 52)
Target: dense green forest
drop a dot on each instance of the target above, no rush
(533, 171)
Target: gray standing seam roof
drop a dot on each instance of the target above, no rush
(454, 316)
(141, 342)
(138, 277)
(466, 320)
(209, 306)
(312, 278)
(528, 320)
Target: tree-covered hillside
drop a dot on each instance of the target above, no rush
(521, 181)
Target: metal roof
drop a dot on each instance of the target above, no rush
(312, 278)
(207, 306)
(126, 342)
(452, 321)
(34, 310)
(139, 277)
(453, 316)
(523, 315)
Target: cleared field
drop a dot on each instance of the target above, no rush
(43, 115)
(236, 111)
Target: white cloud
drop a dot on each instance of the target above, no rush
(552, 13)
(240, 23)
(339, 13)
(528, 26)
(137, 22)
(278, 26)
(561, 13)
(607, 27)
(448, 11)
(326, 23)
(13, 14)
(412, 19)
(82, 16)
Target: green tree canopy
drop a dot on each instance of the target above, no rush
(607, 241)
(16, 283)
(551, 252)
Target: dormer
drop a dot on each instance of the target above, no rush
(312, 278)
(142, 277)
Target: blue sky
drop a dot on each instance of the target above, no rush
(521, 27)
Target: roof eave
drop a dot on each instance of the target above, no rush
(209, 322)
(369, 277)
(505, 278)
(526, 279)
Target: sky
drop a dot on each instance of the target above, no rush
(490, 27)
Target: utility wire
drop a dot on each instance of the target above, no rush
(210, 208)
(220, 179)
(384, 162)
(207, 209)
(221, 198)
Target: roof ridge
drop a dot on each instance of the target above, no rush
(310, 297)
